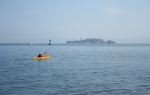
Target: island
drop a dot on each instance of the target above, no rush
(92, 41)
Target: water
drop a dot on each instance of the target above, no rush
(75, 70)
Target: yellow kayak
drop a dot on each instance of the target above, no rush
(40, 58)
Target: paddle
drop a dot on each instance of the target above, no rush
(44, 53)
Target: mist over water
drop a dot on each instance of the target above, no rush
(75, 70)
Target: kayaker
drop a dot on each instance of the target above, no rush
(40, 55)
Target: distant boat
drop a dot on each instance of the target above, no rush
(30, 43)
(50, 42)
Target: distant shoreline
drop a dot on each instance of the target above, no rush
(65, 44)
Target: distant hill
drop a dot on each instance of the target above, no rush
(92, 41)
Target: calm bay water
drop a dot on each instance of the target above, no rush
(75, 70)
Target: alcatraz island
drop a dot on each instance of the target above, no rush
(92, 41)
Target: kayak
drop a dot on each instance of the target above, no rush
(40, 58)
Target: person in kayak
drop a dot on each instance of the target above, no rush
(40, 54)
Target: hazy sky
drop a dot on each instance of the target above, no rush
(124, 21)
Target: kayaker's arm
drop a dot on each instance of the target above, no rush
(44, 53)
